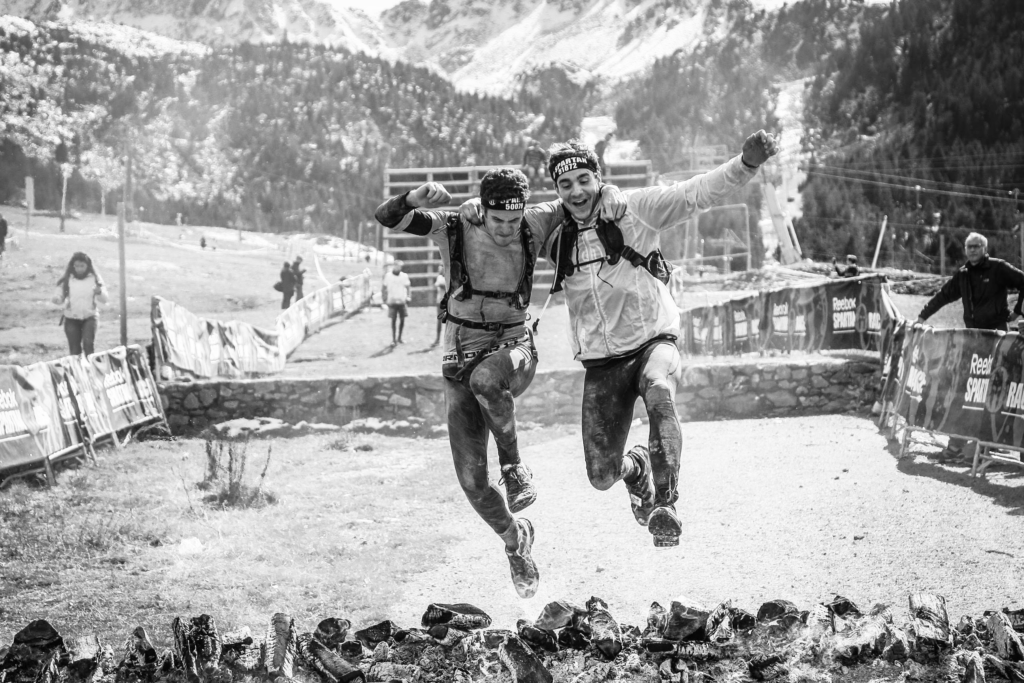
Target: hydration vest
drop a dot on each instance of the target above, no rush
(610, 236)
(459, 286)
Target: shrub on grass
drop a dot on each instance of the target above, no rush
(225, 477)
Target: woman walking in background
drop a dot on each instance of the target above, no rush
(80, 291)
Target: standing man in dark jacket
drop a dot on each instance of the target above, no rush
(287, 285)
(982, 285)
(3, 235)
(298, 272)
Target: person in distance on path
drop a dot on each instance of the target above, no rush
(396, 293)
(623, 321)
(489, 357)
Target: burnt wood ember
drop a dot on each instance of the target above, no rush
(719, 625)
(701, 651)
(389, 671)
(556, 615)
(1006, 640)
(776, 610)
(1008, 670)
(842, 607)
(974, 667)
(930, 623)
(866, 642)
(241, 653)
(280, 647)
(537, 638)
(140, 660)
(572, 638)
(196, 645)
(446, 635)
(588, 646)
(83, 656)
(657, 616)
(741, 620)
(656, 644)
(34, 655)
(408, 636)
(326, 662)
(351, 647)
(606, 636)
(332, 631)
(683, 621)
(767, 667)
(460, 615)
(524, 665)
(1016, 617)
(372, 635)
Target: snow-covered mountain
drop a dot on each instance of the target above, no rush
(220, 21)
(483, 45)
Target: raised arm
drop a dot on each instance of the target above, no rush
(401, 211)
(666, 207)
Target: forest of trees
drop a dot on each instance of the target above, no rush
(271, 136)
(913, 113)
(919, 118)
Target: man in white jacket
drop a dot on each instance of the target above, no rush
(624, 323)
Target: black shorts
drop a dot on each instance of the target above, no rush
(397, 310)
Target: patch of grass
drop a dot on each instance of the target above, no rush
(122, 544)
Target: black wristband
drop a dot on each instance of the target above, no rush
(744, 162)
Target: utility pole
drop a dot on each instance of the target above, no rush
(122, 277)
(878, 246)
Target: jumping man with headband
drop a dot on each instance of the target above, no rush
(623, 321)
(489, 356)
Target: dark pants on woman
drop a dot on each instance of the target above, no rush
(286, 298)
(80, 334)
(609, 393)
(481, 402)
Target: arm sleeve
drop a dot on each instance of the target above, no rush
(665, 207)
(949, 293)
(544, 219)
(58, 296)
(103, 297)
(396, 214)
(1014, 277)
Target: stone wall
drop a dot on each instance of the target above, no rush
(726, 389)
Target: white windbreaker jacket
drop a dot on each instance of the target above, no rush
(614, 310)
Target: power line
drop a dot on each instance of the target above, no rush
(880, 183)
(908, 178)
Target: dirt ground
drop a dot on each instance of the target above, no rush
(800, 509)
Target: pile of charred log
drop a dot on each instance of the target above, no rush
(566, 643)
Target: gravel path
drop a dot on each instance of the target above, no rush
(800, 508)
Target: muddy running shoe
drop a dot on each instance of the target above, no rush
(519, 488)
(641, 492)
(664, 526)
(525, 576)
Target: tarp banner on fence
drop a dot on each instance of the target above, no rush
(54, 407)
(30, 424)
(967, 383)
(196, 347)
(839, 314)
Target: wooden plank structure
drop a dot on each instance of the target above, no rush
(421, 257)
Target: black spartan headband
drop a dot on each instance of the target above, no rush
(572, 163)
(506, 204)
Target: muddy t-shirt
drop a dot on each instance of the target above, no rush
(484, 261)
